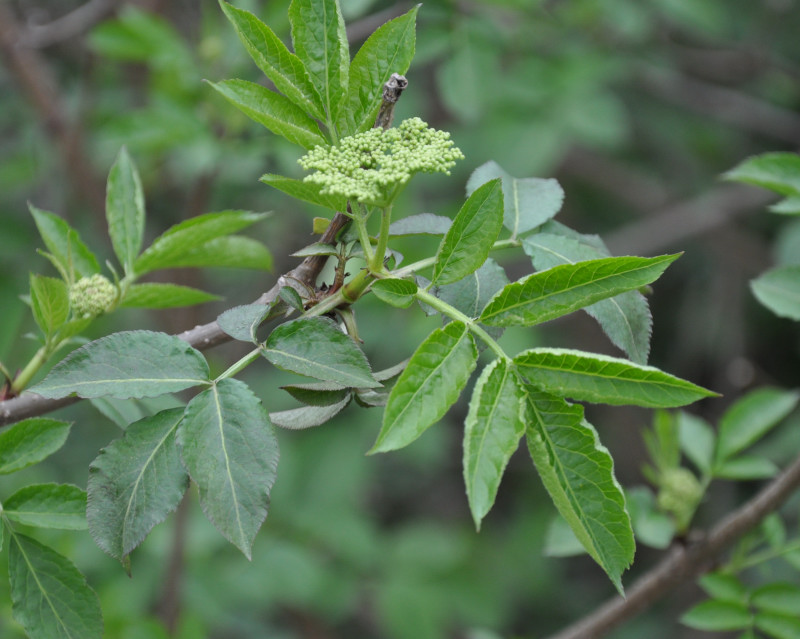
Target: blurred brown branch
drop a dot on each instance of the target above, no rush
(68, 26)
(685, 563)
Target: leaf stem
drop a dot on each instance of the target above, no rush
(360, 221)
(453, 313)
(430, 261)
(376, 265)
(31, 368)
(240, 365)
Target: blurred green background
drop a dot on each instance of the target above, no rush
(635, 106)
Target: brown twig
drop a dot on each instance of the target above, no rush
(209, 335)
(683, 564)
(73, 24)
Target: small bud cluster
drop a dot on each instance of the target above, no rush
(92, 296)
(679, 494)
(368, 167)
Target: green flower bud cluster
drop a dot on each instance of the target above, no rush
(92, 296)
(679, 494)
(370, 167)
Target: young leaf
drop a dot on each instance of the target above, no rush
(30, 441)
(135, 482)
(228, 447)
(272, 110)
(308, 416)
(605, 380)
(306, 191)
(492, 432)
(787, 206)
(697, 440)
(126, 364)
(421, 224)
(320, 41)
(751, 417)
(529, 202)
(49, 302)
(777, 626)
(650, 525)
(388, 50)
(292, 298)
(152, 295)
(779, 172)
(49, 597)
(317, 393)
(625, 318)
(718, 616)
(191, 235)
(724, 587)
(233, 251)
(781, 598)
(431, 382)
(272, 56)
(48, 506)
(125, 210)
(578, 472)
(467, 243)
(317, 348)
(564, 289)
(779, 290)
(744, 468)
(396, 292)
(65, 245)
(242, 322)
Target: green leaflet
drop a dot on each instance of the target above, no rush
(578, 472)
(475, 228)
(242, 322)
(30, 441)
(719, 616)
(272, 110)
(396, 292)
(152, 295)
(125, 210)
(308, 416)
(60, 506)
(779, 172)
(421, 224)
(564, 289)
(388, 50)
(229, 448)
(126, 364)
(492, 432)
(625, 318)
(233, 251)
(779, 290)
(750, 418)
(464, 76)
(49, 597)
(528, 202)
(306, 191)
(49, 302)
(65, 245)
(280, 65)
(606, 380)
(320, 41)
(135, 482)
(317, 348)
(431, 382)
(180, 240)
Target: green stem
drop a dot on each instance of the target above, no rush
(240, 365)
(363, 237)
(376, 265)
(31, 368)
(453, 313)
(766, 555)
(414, 267)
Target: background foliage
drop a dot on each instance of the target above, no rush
(636, 108)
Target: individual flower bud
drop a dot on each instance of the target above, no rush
(92, 296)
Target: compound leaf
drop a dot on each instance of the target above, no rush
(30, 441)
(606, 380)
(125, 210)
(230, 450)
(317, 348)
(49, 597)
(492, 432)
(431, 382)
(468, 241)
(126, 364)
(578, 472)
(135, 482)
(564, 289)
